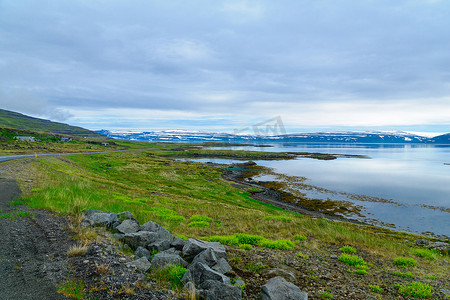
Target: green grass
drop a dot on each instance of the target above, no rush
(300, 237)
(403, 274)
(171, 193)
(352, 260)
(416, 289)
(424, 253)
(72, 288)
(375, 288)
(198, 218)
(303, 256)
(199, 224)
(405, 261)
(278, 218)
(326, 295)
(171, 274)
(245, 247)
(347, 249)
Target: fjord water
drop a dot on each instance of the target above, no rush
(414, 178)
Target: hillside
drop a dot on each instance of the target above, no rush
(441, 139)
(14, 120)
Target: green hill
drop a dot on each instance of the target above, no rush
(14, 120)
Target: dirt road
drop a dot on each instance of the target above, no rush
(32, 248)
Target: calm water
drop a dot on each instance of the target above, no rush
(408, 176)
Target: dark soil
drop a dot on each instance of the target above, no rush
(32, 249)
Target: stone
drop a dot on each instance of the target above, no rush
(177, 243)
(199, 273)
(422, 242)
(124, 216)
(439, 246)
(164, 259)
(279, 272)
(128, 226)
(222, 266)
(278, 288)
(173, 251)
(141, 252)
(193, 247)
(162, 233)
(159, 246)
(207, 257)
(215, 290)
(118, 236)
(140, 238)
(142, 264)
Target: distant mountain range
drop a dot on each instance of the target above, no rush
(319, 137)
(14, 120)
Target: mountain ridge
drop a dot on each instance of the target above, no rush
(318, 137)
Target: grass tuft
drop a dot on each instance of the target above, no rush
(405, 261)
(375, 288)
(416, 289)
(77, 250)
(347, 249)
(403, 274)
(424, 253)
(72, 288)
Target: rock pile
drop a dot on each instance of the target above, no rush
(208, 271)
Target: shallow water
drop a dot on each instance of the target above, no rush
(413, 179)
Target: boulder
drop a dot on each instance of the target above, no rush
(198, 273)
(142, 264)
(177, 243)
(207, 257)
(142, 252)
(278, 288)
(164, 259)
(215, 290)
(159, 246)
(193, 247)
(140, 238)
(128, 226)
(173, 251)
(279, 272)
(163, 233)
(422, 242)
(222, 266)
(124, 216)
(99, 218)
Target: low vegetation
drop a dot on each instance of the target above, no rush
(193, 200)
(416, 289)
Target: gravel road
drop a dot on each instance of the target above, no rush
(32, 249)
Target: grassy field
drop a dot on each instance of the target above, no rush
(193, 200)
(171, 192)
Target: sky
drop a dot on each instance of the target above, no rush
(227, 65)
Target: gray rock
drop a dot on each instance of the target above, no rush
(239, 282)
(164, 259)
(163, 233)
(446, 291)
(141, 252)
(99, 218)
(215, 290)
(207, 257)
(279, 272)
(173, 251)
(140, 238)
(128, 226)
(222, 266)
(439, 246)
(125, 215)
(159, 246)
(87, 223)
(177, 243)
(142, 264)
(193, 247)
(278, 288)
(422, 242)
(199, 273)
(118, 236)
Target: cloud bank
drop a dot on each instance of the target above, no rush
(217, 65)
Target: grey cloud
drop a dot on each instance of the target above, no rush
(178, 55)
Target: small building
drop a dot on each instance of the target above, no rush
(25, 138)
(66, 139)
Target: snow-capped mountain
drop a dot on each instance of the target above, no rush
(319, 137)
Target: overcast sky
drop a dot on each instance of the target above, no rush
(225, 65)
